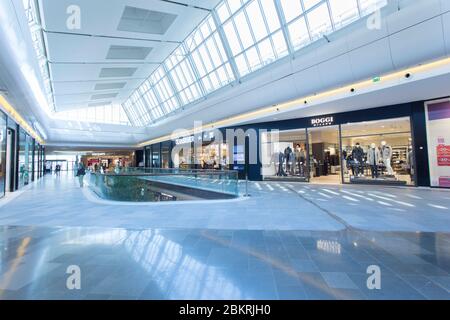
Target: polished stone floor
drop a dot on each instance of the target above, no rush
(221, 264)
(58, 201)
(287, 241)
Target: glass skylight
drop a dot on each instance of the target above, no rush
(240, 37)
(112, 114)
(236, 39)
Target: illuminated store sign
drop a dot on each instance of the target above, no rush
(184, 140)
(321, 122)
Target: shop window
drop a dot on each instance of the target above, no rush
(378, 152)
(24, 159)
(3, 140)
(284, 155)
(156, 160)
(211, 155)
(165, 156)
(438, 136)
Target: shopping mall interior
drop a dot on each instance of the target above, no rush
(225, 150)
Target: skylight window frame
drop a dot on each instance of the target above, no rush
(256, 44)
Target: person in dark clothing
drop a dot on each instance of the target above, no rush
(80, 174)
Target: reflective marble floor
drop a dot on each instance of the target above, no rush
(59, 201)
(248, 248)
(118, 263)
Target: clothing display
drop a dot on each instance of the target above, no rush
(300, 157)
(280, 170)
(289, 162)
(289, 158)
(373, 159)
(410, 163)
(357, 160)
(386, 154)
(373, 156)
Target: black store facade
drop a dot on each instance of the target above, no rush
(385, 145)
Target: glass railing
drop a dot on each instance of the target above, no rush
(154, 185)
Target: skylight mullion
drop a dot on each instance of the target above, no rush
(159, 99)
(305, 16)
(226, 46)
(358, 4)
(130, 118)
(222, 58)
(284, 29)
(333, 26)
(171, 83)
(188, 82)
(244, 9)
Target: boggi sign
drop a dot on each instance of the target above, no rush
(321, 122)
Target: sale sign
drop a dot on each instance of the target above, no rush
(443, 155)
(444, 182)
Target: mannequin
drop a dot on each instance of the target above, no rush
(288, 158)
(411, 162)
(300, 157)
(292, 162)
(344, 161)
(373, 158)
(357, 155)
(386, 155)
(280, 172)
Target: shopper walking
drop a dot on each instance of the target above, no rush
(80, 173)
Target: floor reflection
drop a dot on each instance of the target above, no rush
(221, 264)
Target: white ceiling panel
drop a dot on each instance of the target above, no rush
(101, 58)
(73, 48)
(102, 17)
(90, 72)
(73, 87)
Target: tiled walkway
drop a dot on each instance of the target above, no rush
(58, 201)
(221, 264)
(287, 241)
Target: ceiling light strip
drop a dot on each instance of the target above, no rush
(12, 112)
(314, 98)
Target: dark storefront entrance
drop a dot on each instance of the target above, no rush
(386, 145)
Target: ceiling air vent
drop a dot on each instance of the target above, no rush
(99, 104)
(128, 53)
(110, 86)
(104, 96)
(145, 21)
(117, 72)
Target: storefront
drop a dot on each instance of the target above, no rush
(379, 152)
(3, 140)
(26, 151)
(438, 135)
(208, 154)
(383, 146)
(184, 153)
(108, 161)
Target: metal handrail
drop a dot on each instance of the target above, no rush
(168, 172)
